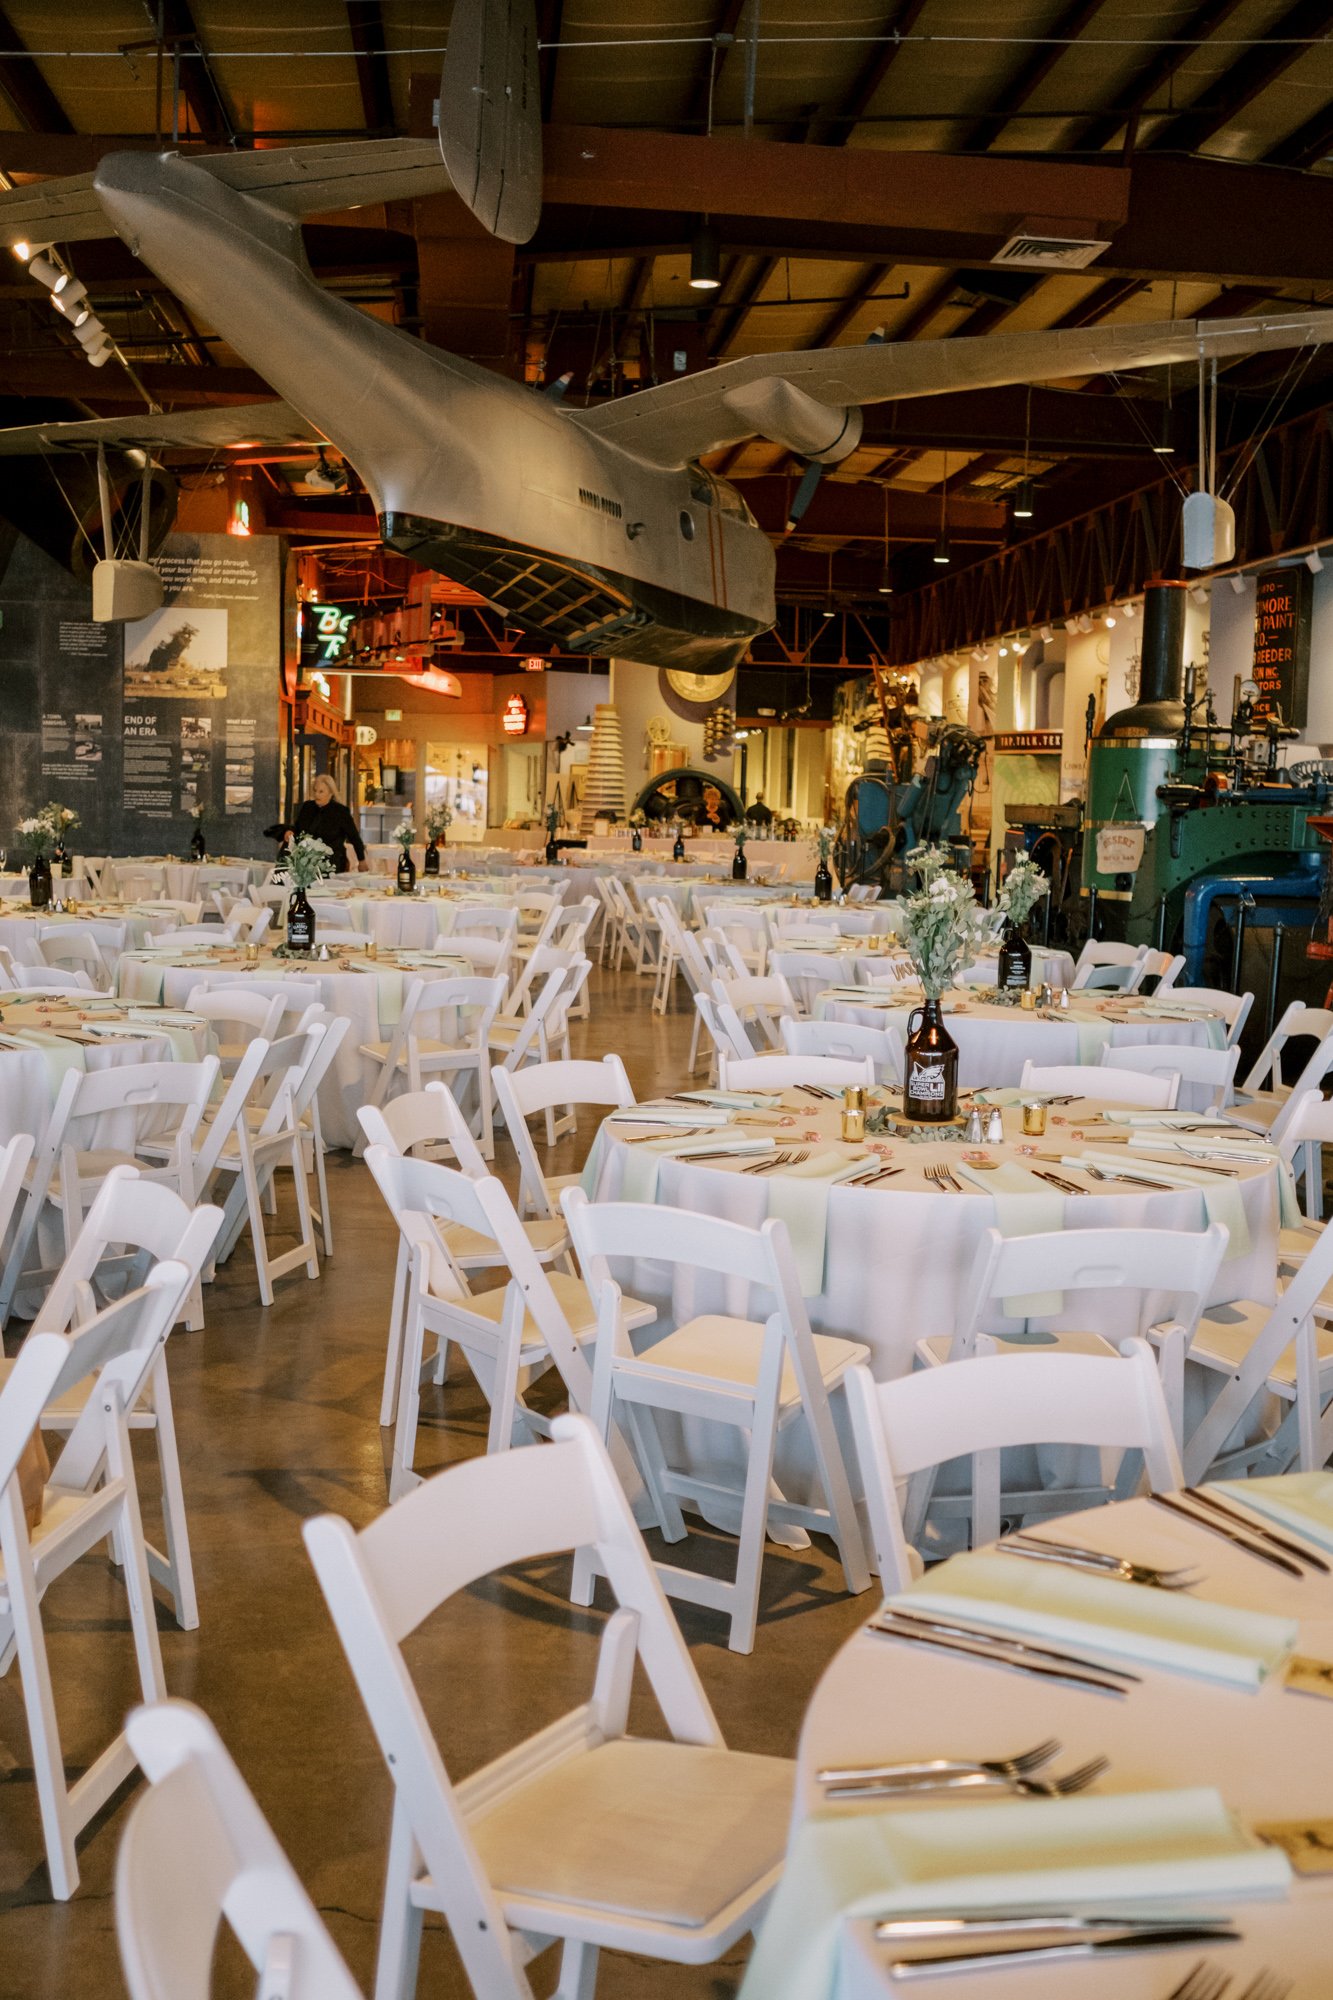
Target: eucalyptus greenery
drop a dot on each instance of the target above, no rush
(929, 863)
(439, 818)
(1022, 889)
(826, 837)
(405, 833)
(740, 832)
(942, 928)
(308, 861)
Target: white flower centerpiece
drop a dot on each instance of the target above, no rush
(1021, 891)
(942, 927)
(309, 861)
(405, 833)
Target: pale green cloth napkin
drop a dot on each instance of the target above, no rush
(1080, 1853)
(1024, 1206)
(1130, 1621)
(1094, 1034)
(643, 1163)
(1289, 1205)
(799, 1196)
(1004, 1094)
(1301, 1501)
(59, 1056)
(139, 978)
(177, 1027)
(1221, 1197)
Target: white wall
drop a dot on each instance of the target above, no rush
(634, 691)
(570, 698)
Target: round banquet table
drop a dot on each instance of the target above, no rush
(1265, 1750)
(367, 992)
(897, 1257)
(14, 884)
(994, 1042)
(412, 923)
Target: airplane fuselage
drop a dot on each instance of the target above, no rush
(470, 473)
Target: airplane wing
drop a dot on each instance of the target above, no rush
(299, 180)
(809, 401)
(214, 428)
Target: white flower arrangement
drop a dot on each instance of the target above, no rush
(308, 860)
(1022, 889)
(928, 863)
(942, 928)
(826, 836)
(405, 832)
(439, 818)
(740, 832)
(45, 829)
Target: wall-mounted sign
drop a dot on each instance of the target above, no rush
(325, 632)
(1043, 740)
(534, 666)
(1281, 668)
(1119, 849)
(365, 735)
(514, 716)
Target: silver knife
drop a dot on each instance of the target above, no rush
(1014, 1641)
(1218, 1527)
(1203, 1498)
(1016, 1923)
(1163, 1939)
(1015, 1662)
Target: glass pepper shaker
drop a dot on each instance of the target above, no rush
(995, 1128)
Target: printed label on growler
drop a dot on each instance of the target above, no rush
(925, 1080)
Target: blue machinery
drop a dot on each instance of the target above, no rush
(885, 814)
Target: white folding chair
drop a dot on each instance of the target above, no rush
(442, 1032)
(745, 928)
(848, 1041)
(1113, 966)
(1164, 967)
(784, 1072)
(431, 1119)
(1110, 1086)
(131, 1225)
(47, 979)
(1165, 1276)
(755, 1375)
(979, 1407)
(526, 1092)
(91, 1495)
(543, 1036)
(71, 948)
(1263, 1097)
(1233, 1007)
(864, 892)
(152, 1114)
(236, 1015)
(251, 1140)
(8, 970)
(196, 1851)
(509, 1334)
(761, 1005)
(808, 974)
(1248, 1350)
(726, 1030)
(1306, 1128)
(486, 957)
(1205, 1075)
(583, 1836)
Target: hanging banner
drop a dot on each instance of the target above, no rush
(1281, 669)
(1119, 849)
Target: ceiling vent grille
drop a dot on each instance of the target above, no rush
(1032, 252)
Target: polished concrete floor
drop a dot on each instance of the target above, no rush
(277, 1412)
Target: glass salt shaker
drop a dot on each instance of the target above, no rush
(973, 1134)
(995, 1128)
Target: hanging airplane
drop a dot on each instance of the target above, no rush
(596, 527)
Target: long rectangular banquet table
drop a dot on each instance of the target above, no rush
(1264, 1748)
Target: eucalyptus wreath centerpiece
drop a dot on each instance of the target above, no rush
(1020, 892)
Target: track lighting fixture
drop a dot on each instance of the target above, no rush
(1004, 651)
(1129, 609)
(1199, 594)
(1048, 633)
(1023, 507)
(67, 292)
(45, 272)
(1237, 584)
(1109, 619)
(885, 585)
(1314, 562)
(1084, 622)
(941, 548)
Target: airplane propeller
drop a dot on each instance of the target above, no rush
(814, 470)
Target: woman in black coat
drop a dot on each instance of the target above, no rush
(324, 817)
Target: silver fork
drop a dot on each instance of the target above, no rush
(1004, 1767)
(1063, 1787)
(1202, 1982)
(1131, 1180)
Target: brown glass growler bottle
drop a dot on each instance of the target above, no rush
(1014, 968)
(300, 923)
(930, 1079)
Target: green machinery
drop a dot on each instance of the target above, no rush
(1218, 821)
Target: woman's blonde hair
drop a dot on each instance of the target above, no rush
(323, 778)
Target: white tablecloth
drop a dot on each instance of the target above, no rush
(1265, 1751)
(18, 928)
(994, 1042)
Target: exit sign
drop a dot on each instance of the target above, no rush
(393, 715)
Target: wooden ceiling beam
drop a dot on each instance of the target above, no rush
(24, 88)
(208, 107)
(1137, 92)
(365, 25)
(982, 132)
(1285, 41)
